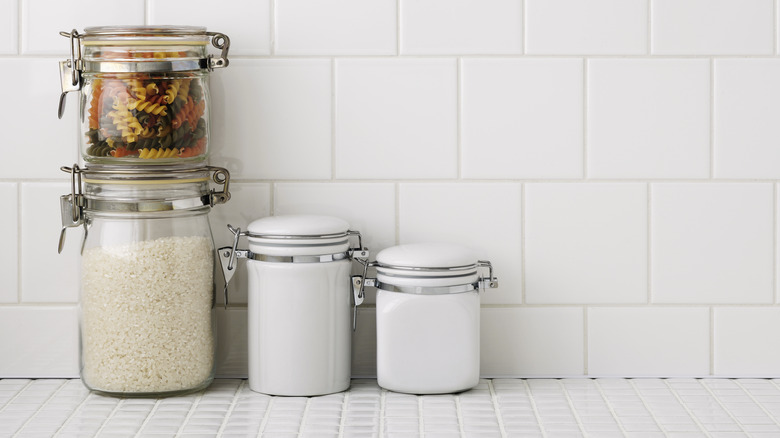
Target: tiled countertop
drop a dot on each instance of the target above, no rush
(496, 408)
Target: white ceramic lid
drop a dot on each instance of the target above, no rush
(426, 255)
(298, 225)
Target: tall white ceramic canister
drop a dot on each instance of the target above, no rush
(301, 305)
(427, 317)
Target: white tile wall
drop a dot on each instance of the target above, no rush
(712, 243)
(396, 118)
(745, 340)
(461, 27)
(648, 342)
(746, 108)
(249, 31)
(566, 225)
(43, 20)
(617, 161)
(592, 27)
(342, 27)
(9, 255)
(522, 118)
(648, 118)
(9, 35)
(704, 27)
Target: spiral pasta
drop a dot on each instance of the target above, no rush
(146, 118)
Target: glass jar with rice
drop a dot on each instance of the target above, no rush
(147, 289)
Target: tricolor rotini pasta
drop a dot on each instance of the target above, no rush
(145, 117)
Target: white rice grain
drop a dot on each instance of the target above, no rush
(147, 315)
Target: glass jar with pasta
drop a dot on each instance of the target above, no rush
(144, 93)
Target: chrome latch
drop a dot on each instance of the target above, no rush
(72, 205)
(227, 258)
(221, 176)
(220, 41)
(70, 70)
(490, 281)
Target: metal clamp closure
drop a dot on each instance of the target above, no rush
(71, 206)
(489, 282)
(222, 42)
(70, 70)
(428, 290)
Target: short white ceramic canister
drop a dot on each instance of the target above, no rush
(427, 317)
(300, 302)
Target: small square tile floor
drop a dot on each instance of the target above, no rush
(496, 408)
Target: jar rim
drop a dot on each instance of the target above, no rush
(143, 31)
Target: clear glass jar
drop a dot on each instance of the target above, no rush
(144, 93)
(147, 320)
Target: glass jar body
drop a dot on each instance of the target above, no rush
(147, 320)
(141, 119)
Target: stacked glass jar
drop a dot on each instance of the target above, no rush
(142, 196)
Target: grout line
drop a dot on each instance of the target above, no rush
(73, 414)
(523, 249)
(712, 341)
(19, 24)
(459, 116)
(572, 408)
(774, 242)
(585, 340)
(775, 18)
(343, 421)
(272, 27)
(267, 416)
(302, 426)
(147, 12)
(611, 408)
(333, 118)
(687, 409)
(535, 410)
(21, 390)
(148, 417)
(722, 406)
(649, 27)
(190, 412)
(397, 213)
(382, 406)
(497, 409)
(712, 119)
(231, 408)
(398, 28)
(111, 416)
(459, 415)
(760, 405)
(649, 251)
(40, 407)
(420, 420)
(271, 199)
(19, 276)
(585, 98)
(644, 403)
(524, 21)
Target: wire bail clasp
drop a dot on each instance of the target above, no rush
(222, 42)
(72, 205)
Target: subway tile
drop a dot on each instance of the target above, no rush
(532, 342)
(396, 118)
(648, 118)
(39, 341)
(41, 225)
(522, 118)
(648, 342)
(278, 124)
(586, 243)
(248, 202)
(600, 27)
(461, 27)
(745, 342)
(249, 31)
(43, 20)
(712, 243)
(369, 208)
(718, 27)
(9, 27)
(342, 27)
(746, 111)
(40, 144)
(484, 217)
(9, 257)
